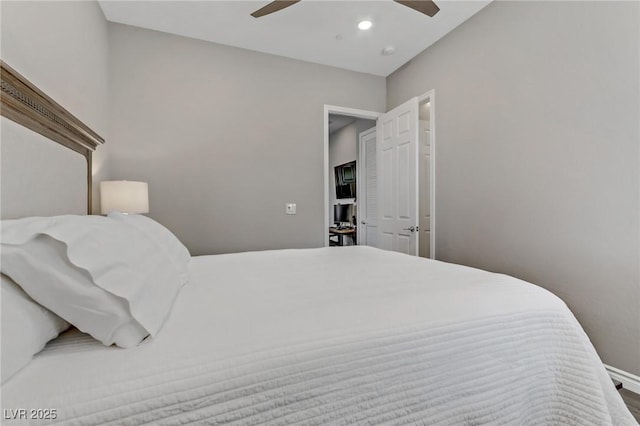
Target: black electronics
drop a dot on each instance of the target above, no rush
(346, 180)
(341, 213)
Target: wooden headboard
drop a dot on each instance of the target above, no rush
(28, 106)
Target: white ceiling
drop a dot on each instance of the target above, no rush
(319, 31)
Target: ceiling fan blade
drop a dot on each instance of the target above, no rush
(274, 6)
(427, 7)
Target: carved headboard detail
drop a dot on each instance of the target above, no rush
(24, 103)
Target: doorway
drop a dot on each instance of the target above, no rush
(423, 127)
(350, 122)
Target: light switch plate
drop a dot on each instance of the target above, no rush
(290, 208)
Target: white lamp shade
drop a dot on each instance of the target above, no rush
(124, 196)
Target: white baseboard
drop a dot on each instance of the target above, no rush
(629, 381)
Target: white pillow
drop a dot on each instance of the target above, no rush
(43, 270)
(106, 277)
(26, 328)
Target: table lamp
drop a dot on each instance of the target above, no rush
(124, 196)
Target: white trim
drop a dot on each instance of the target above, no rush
(325, 174)
(629, 381)
(432, 179)
(332, 109)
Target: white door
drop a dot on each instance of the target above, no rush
(397, 158)
(424, 172)
(368, 189)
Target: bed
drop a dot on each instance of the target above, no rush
(343, 335)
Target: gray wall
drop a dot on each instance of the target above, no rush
(225, 137)
(537, 131)
(61, 47)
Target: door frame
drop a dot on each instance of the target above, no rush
(431, 97)
(352, 112)
(360, 188)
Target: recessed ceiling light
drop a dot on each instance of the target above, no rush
(364, 25)
(387, 51)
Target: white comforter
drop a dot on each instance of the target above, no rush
(335, 335)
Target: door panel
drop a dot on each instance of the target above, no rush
(386, 240)
(404, 243)
(387, 128)
(404, 123)
(404, 181)
(398, 179)
(387, 185)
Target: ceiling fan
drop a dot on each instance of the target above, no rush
(427, 7)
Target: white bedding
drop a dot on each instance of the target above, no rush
(334, 335)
